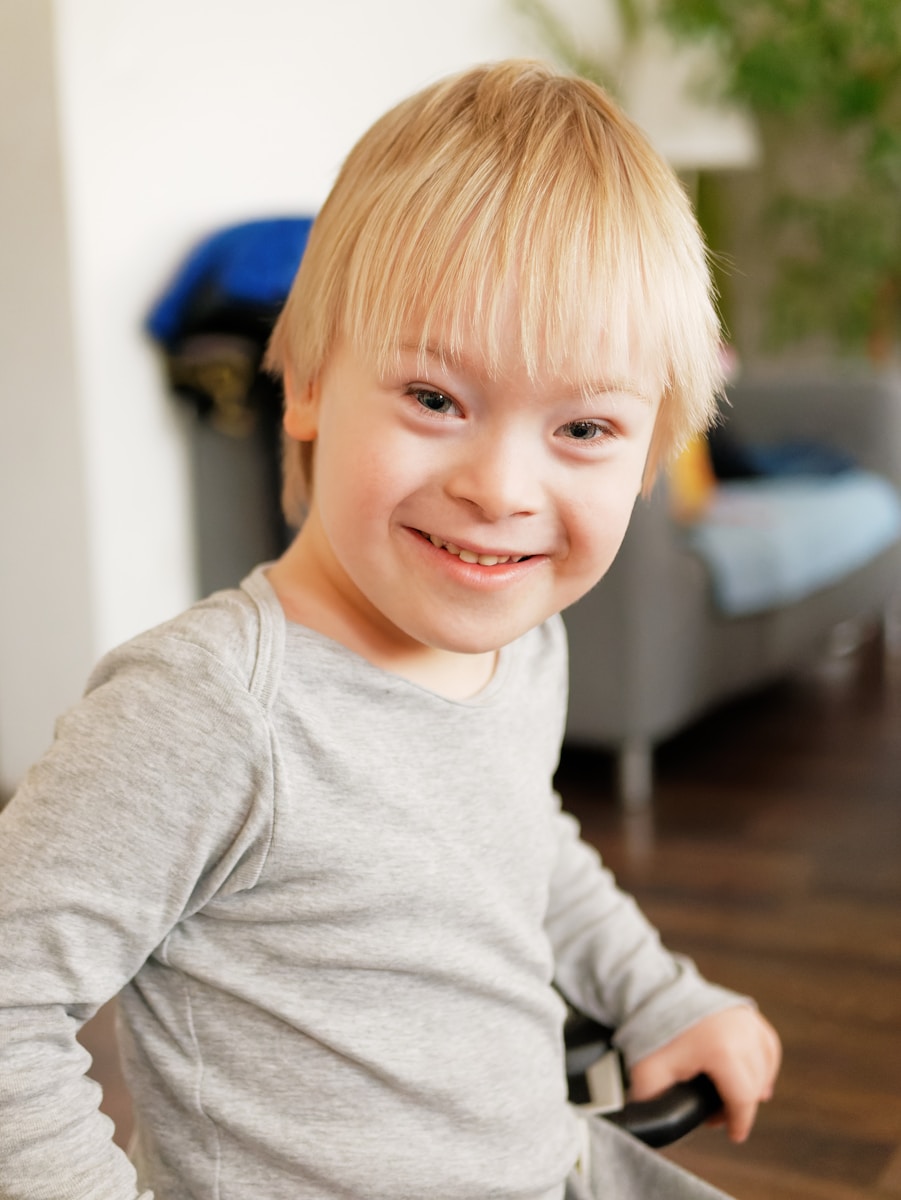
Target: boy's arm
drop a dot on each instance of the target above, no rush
(671, 1024)
(609, 959)
(153, 796)
(54, 1143)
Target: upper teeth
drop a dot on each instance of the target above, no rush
(467, 556)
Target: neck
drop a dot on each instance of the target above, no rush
(445, 672)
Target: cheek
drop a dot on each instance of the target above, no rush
(359, 491)
(600, 525)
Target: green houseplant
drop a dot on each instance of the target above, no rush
(823, 79)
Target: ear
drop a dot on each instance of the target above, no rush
(301, 420)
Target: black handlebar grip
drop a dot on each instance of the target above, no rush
(667, 1118)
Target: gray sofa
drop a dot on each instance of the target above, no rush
(651, 652)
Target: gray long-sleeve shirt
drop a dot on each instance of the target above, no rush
(335, 903)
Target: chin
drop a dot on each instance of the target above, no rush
(478, 642)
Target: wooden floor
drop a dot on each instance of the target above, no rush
(773, 857)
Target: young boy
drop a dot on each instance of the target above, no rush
(307, 829)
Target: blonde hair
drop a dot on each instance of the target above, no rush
(509, 176)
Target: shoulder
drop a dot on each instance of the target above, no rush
(543, 650)
(233, 639)
(537, 678)
(172, 750)
(552, 634)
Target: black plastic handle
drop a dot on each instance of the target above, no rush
(666, 1118)
(657, 1122)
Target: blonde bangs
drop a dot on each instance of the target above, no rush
(513, 192)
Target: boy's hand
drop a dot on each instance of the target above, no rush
(737, 1048)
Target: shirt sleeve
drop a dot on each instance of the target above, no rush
(156, 794)
(610, 962)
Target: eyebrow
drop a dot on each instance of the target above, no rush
(618, 387)
(582, 391)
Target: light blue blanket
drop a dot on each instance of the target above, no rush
(770, 541)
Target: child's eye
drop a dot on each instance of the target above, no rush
(586, 431)
(434, 401)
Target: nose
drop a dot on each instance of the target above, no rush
(500, 476)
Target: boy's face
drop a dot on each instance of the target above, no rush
(455, 509)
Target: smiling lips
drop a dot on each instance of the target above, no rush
(469, 556)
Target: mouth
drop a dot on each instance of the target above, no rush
(470, 556)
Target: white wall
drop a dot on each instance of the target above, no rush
(127, 131)
(46, 619)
